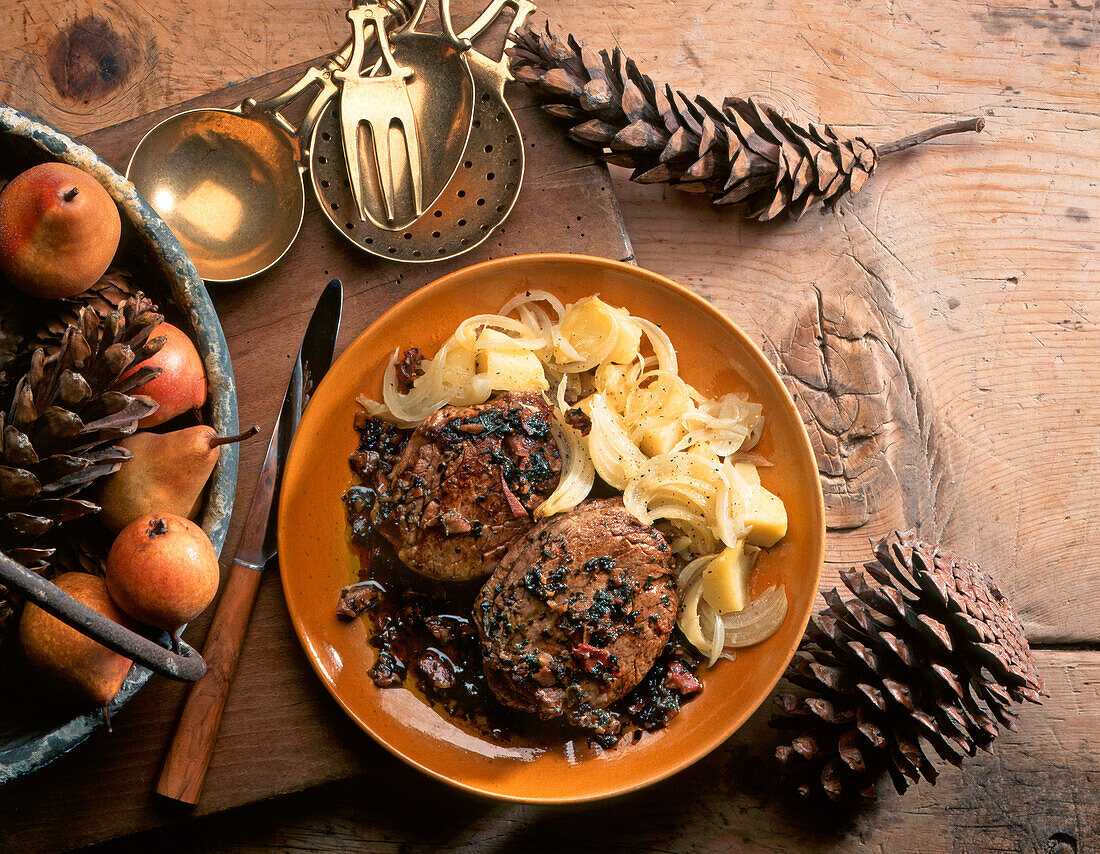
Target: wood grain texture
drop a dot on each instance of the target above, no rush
(1039, 789)
(940, 332)
(941, 328)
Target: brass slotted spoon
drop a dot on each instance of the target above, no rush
(482, 190)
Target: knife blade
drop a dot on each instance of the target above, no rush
(188, 757)
(257, 544)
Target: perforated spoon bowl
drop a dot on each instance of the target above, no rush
(479, 195)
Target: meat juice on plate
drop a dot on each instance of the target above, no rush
(422, 628)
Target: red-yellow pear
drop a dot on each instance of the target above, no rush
(181, 385)
(64, 657)
(59, 229)
(162, 570)
(167, 474)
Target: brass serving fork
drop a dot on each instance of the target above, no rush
(380, 101)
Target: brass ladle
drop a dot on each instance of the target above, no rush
(229, 182)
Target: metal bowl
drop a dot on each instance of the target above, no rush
(33, 734)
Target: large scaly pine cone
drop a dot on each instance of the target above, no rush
(66, 412)
(744, 153)
(106, 295)
(27, 323)
(11, 342)
(930, 652)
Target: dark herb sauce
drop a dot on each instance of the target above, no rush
(426, 641)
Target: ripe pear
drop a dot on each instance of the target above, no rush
(64, 657)
(181, 385)
(59, 230)
(162, 570)
(167, 474)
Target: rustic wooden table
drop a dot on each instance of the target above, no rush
(942, 331)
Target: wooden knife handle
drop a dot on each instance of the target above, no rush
(189, 754)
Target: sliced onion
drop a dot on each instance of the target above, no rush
(758, 620)
(662, 346)
(523, 336)
(717, 639)
(715, 635)
(577, 472)
(693, 571)
(729, 506)
(372, 407)
(689, 621)
(424, 398)
(534, 296)
(616, 458)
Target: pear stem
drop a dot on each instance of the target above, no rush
(71, 194)
(228, 440)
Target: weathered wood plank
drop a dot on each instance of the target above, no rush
(973, 258)
(943, 330)
(1039, 789)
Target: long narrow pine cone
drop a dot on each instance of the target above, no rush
(929, 654)
(742, 153)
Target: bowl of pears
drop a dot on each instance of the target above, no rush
(118, 423)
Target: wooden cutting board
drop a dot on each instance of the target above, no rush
(282, 732)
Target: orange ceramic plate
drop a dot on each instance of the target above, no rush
(317, 560)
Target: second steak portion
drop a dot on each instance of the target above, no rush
(466, 484)
(577, 612)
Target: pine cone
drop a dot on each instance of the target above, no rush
(744, 153)
(66, 411)
(11, 342)
(931, 651)
(56, 437)
(105, 296)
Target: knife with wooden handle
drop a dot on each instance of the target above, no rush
(188, 757)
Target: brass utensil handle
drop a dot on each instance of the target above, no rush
(500, 69)
(398, 13)
(459, 41)
(522, 8)
(186, 666)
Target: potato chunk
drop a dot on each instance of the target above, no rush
(627, 343)
(726, 578)
(507, 367)
(765, 518)
(748, 473)
(591, 329)
(660, 438)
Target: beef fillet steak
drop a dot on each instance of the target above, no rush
(465, 485)
(577, 612)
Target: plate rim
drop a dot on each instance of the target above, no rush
(689, 758)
